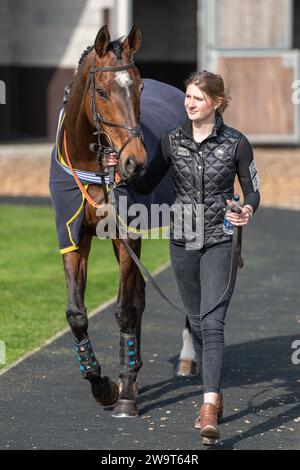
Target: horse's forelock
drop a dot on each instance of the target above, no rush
(116, 47)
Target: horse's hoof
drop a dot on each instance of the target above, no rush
(125, 409)
(186, 368)
(110, 397)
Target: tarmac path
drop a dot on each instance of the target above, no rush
(45, 404)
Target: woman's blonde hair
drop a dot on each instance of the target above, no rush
(213, 86)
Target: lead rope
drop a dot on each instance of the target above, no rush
(236, 261)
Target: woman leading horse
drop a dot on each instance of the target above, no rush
(100, 117)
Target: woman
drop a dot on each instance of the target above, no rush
(204, 156)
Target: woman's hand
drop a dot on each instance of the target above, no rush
(242, 218)
(110, 160)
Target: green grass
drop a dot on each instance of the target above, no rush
(32, 282)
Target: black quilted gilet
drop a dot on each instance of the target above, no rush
(204, 174)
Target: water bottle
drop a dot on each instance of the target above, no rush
(235, 207)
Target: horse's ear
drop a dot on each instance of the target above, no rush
(102, 41)
(133, 40)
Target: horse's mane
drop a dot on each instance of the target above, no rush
(86, 51)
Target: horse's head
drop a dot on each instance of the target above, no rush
(113, 104)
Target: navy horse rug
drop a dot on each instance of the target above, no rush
(161, 110)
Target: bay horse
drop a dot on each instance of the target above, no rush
(103, 103)
(104, 98)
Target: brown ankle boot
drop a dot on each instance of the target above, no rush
(209, 423)
(219, 406)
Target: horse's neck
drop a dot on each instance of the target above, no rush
(79, 131)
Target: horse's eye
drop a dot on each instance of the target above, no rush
(101, 93)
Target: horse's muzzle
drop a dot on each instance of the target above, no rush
(131, 168)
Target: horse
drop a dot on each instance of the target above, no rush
(103, 103)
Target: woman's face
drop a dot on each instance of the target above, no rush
(197, 104)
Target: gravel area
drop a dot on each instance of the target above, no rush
(24, 171)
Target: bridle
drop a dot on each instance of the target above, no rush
(136, 132)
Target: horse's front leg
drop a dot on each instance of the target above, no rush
(75, 265)
(129, 309)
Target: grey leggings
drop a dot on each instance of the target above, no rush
(202, 277)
